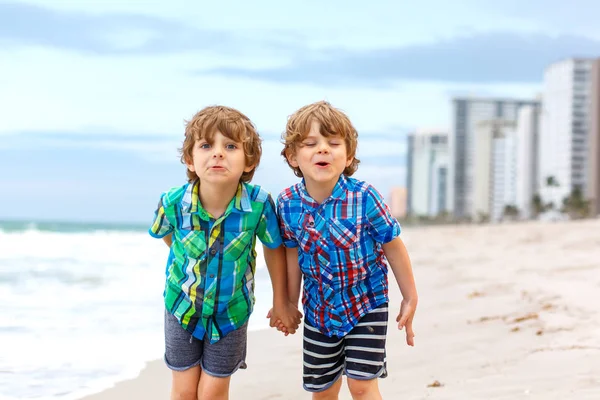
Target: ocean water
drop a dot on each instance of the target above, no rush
(82, 306)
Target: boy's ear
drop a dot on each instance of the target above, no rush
(190, 164)
(249, 168)
(291, 157)
(349, 161)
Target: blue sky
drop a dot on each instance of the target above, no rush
(94, 93)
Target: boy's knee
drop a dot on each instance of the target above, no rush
(184, 394)
(326, 395)
(331, 393)
(213, 387)
(362, 388)
(215, 393)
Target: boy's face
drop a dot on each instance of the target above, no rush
(321, 159)
(221, 162)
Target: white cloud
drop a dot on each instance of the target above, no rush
(60, 91)
(356, 25)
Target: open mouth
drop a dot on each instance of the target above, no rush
(322, 164)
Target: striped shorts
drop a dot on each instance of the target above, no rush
(359, 355)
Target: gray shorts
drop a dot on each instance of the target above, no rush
(220, 359)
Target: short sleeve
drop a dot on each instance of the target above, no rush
(268, 227)
(289, 240)
(383, 227)
(161, 226)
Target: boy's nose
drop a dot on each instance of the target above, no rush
(323, 148)
(218, 153)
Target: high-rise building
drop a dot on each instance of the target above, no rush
(527, 180)
(593, 184)
(494, 169)
(492, 176)
(467, 113)
(504, 165)
(565, 125)
(427, 172)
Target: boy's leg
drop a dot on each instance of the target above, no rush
(212, 387)
(365, 354)
(184, 385)
(323, 363)
(183, 354)
(364, 390)
(219, 361)
(332, 393)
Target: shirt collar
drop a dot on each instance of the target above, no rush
(340, 189)
(338, 193)
(241, 201)
(191, 199)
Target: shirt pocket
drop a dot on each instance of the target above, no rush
(305, 241)
(193, 242)
(237, 244)
(305, 233)
(343, 233)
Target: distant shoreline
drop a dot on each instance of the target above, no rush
(17, 225)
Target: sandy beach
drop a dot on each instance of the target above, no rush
(506, 311)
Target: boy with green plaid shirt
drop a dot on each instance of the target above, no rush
(211, 224)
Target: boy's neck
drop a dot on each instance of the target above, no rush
(216, 198)
(319, 191)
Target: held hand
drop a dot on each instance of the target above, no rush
(286, 318)
(295, 314)
(278, 324)
(405, 319)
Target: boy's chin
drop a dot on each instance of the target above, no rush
(220, 180)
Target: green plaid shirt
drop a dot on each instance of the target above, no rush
(210, 269)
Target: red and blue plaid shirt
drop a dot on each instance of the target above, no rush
(339, 251)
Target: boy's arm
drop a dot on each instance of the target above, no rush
(294, 276)
(168, 239)
(399, 262)
(283, 310)
(275, 260)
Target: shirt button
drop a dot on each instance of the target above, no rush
(213, 252)
(212, 275)
(208, 296)
(311, 223)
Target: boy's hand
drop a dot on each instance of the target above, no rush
(279, 325)
(285, 318)
(405, 319)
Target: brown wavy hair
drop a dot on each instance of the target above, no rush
(232, 124)
(333, 123)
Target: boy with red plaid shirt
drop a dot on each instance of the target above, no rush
(338, 234)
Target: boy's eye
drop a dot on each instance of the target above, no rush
(334, 143)
(204, 145)
(308, 144)
(231, 146)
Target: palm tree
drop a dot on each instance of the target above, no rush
(511, 212)
(575, 205)
(537, 205)
(551, 182)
